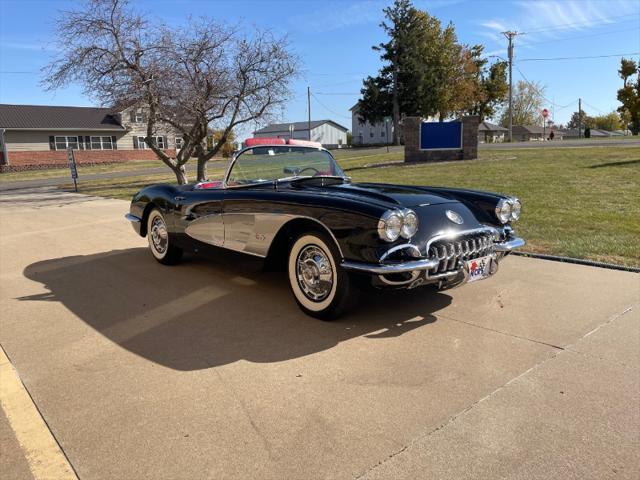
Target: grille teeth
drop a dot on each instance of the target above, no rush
(452, 253)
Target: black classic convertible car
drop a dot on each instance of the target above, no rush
(292, 205)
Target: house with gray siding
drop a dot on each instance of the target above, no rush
(37, 136)
(327, 132)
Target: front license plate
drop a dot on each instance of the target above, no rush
(479, 268)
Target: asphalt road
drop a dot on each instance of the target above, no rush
(209, 370)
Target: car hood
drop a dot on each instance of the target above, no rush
(392, 195)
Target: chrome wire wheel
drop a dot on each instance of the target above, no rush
(158, 236)
(314, 273)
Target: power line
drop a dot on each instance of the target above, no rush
(337, 93)
(595, 108)
(551, 102)
(577, 58)
(327, 108)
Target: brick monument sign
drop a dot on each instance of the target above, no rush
(439, 142)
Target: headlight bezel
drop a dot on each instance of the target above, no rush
(501, 208)
(409, 227)
(405, 230)
(384, 222)
(508, 210)
(516, 209)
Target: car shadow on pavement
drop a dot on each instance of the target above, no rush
(209, 312)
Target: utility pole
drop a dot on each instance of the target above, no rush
(579, 118)
(309, 110)
(396, 105)
(510, 36)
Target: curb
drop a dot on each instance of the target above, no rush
(578, 261)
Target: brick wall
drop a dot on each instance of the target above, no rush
(55, 159)
(412, 152)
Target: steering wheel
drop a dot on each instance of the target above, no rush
(315, 170)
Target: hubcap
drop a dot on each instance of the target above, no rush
(315, 276)
(159, 236)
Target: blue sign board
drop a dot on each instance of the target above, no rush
(441, 136)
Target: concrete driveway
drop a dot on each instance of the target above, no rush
(209, 370)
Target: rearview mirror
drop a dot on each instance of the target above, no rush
(291, 170)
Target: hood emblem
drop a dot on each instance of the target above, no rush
(454, 217)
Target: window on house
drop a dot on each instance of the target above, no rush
(178, 143)
(142, 145)
(139, 118)
(371, 134)
(382, 133)
(62, 143)
(107, 143)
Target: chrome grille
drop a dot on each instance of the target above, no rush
(451, 253)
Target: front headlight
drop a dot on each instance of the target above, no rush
(390, 225)
(503, 210)
(397, 223)
(516, 209)
(409, 224)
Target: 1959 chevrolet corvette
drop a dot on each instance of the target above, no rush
(291, 204)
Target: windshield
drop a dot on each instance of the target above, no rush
(267, 164)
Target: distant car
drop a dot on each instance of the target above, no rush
(294, 206)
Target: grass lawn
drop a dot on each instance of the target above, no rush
(579, 202)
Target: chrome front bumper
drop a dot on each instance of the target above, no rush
(385, 269)
(422, 264)
(509, 245)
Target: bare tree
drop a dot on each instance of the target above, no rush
(206, 75)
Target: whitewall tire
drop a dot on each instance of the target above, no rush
(160, 242)
(319, 285)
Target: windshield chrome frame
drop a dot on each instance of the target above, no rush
(225, 185)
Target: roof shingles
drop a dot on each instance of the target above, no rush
(31, 117)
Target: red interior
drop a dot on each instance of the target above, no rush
(216, 184)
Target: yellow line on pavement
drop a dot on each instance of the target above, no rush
(41, 450)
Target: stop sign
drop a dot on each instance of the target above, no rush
(545, 113)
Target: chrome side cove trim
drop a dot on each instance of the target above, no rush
(509, 245)
(208, 229)
(133, 218)
(250, 233)
(382, 269)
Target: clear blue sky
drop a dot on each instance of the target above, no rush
(334, 40)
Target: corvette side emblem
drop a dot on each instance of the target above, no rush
(454, 217)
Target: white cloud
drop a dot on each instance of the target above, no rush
(549, 19)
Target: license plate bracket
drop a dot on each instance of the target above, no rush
(479, 268)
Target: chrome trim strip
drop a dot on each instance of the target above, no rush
(509, 245)
(425, 264)
(133, 218)
(401, 247)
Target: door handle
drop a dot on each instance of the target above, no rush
(179, 198)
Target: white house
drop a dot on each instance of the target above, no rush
(365, 133)
(329, 133)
